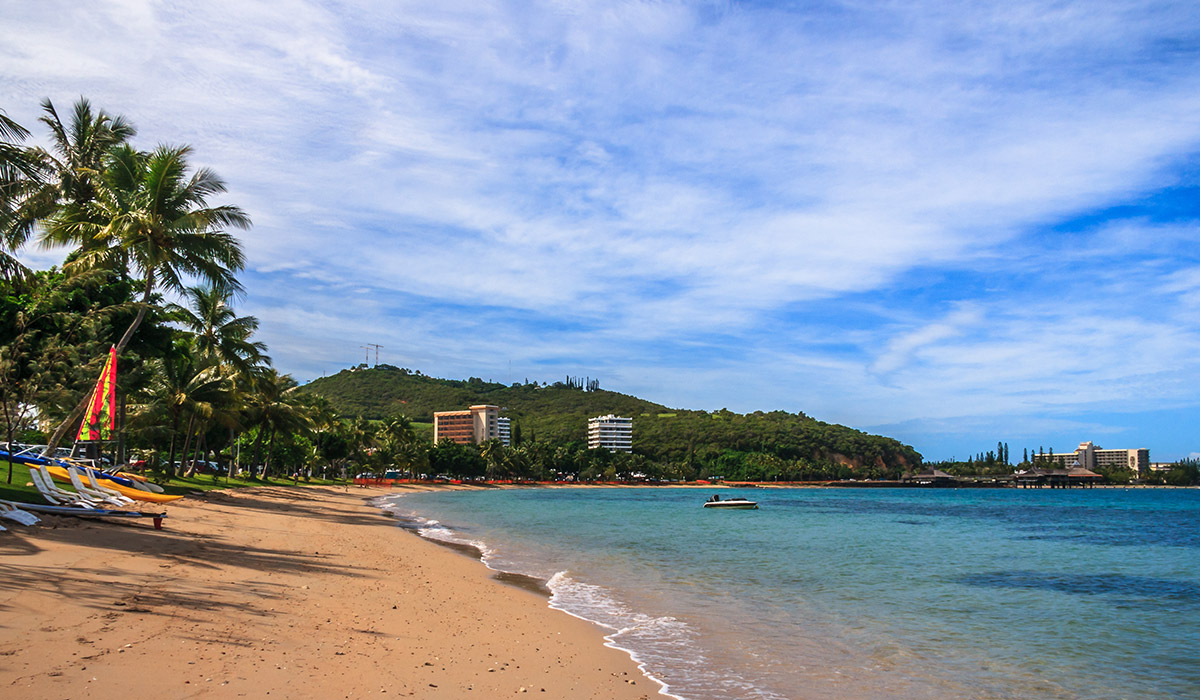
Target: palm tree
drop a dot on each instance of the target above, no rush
(393, 439)
(492, 452)
(325, 424)
(151, 219)
(78, 152)
(362, 439)
(398, 431)
(21, 172)
(275, 409)
(218, 331)
(69, 175)
(80, 148)
(183, 385)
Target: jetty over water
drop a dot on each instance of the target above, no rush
(1036, 478)
(1057, 478)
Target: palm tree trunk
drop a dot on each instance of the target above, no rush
(120, 457)
(187, 443)
(257, 450)
(9, 431)
(232, 447)
(270, 449)
(205, 455)
(196, 457)
(170, 468)
(137, 321)
(61, 431)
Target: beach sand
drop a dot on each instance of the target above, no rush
(282, 592)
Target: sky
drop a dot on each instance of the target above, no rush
(950, 223)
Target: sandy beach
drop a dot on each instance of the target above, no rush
(282, 592)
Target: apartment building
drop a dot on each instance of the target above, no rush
(474, 425)
(504, 430)
(613, 433)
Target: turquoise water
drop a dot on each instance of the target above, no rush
(865, 593)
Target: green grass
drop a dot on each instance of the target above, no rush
(22, 490)
(17, 490)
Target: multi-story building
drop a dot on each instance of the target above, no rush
(474, 425)
(613, 433)
(504, 430)
(1088, 456)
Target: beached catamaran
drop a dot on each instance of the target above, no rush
(97, 492)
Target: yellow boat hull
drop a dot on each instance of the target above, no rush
(60, 473)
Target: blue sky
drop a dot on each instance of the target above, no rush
(952, 223)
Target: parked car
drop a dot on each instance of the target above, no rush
(206, 467)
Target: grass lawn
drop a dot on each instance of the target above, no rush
(21, 487)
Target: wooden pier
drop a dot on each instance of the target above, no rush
(1076, 477)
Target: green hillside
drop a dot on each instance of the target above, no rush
(557, 412)
(757, 446)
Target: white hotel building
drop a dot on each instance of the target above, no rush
(504, 430)
(1089, 457)
(613, 433)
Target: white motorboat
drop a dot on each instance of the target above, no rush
(735, 503)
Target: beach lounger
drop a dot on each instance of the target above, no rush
(96, 485)
(84, 512)
(96, 492)
(15, 514)
(59, 497)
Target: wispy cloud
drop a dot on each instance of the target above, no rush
(878, 213)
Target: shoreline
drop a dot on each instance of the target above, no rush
(533, 584)
(294, 592)
(527, 582)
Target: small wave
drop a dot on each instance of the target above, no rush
(652, 642)
(432, 529)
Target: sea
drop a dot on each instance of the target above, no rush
(852, 593)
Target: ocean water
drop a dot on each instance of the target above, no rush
(864, 593)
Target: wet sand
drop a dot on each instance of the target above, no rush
(286, 592)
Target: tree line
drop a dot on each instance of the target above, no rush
(137, 225)
(997, 463)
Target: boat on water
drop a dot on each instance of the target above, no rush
(735, 503)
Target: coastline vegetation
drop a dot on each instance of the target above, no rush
(549, 425)
(136, 225)
(997, 462)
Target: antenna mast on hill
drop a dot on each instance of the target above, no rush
(366, 353)
(376, 346)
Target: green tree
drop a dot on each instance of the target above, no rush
(149, 218)
(218, 331)
(275, 408)
(76, 160)
(493, 453)
(182, 386)
(451, 458)
(22, 171)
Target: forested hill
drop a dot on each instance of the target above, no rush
(384, 391)
(721, 442)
